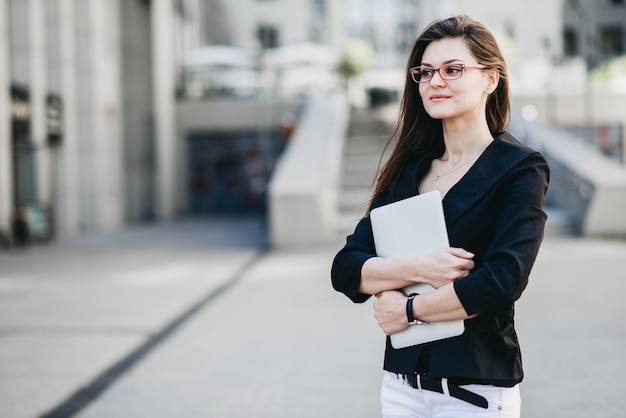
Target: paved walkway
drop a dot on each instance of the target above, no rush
(196, 319)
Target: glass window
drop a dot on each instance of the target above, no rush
(612, 40)
(267, 36)
(570, 42)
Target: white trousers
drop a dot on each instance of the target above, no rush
(400, 400)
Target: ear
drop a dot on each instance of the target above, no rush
(493, 78)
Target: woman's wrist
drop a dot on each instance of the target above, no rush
(380, 274)
(415, 267)
(410, 313)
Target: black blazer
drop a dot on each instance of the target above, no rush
(496, 212)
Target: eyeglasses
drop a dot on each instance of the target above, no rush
(424, 74)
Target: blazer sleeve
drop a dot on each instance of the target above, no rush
(346, 268)
(518, 232)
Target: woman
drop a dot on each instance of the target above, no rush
(451, 137)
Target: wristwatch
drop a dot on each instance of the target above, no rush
(409, 311)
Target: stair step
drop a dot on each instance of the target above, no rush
(366, 138)
(364, 148)
(347, 222)
(354, 200)
(356, 181)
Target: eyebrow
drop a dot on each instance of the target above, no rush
(444, 63)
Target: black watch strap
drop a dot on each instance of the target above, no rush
(409, 310)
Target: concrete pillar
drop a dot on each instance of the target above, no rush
(6, 163)
(163, 88)
(67, 198)
(105, 85)
(38, 90)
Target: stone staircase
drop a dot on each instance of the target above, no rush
(368, 131)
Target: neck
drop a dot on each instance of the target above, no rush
(464, 141)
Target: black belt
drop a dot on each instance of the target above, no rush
(417, 381)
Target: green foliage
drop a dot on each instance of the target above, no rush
(608, 70)
(356, 58)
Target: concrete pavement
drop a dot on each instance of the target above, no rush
(197, 319)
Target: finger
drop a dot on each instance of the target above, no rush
(460, 252)
(468, 265)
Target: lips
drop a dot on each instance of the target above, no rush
(438, 97)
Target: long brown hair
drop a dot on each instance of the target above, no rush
(415, 132)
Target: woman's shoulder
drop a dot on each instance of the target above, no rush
(506, 156)
(507, 146)
(507, 142)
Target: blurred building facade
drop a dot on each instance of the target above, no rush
(88, 132)
(595, 30)
(556, 30)
(393, 26)
(262, 24)
(87, 110)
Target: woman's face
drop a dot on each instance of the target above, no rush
(464, 97)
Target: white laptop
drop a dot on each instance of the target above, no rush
(407, 228)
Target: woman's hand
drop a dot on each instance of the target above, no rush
(390, 311)
(447, 265)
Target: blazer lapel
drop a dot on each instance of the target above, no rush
(499, 157)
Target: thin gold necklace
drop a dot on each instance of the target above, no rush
(437, 175)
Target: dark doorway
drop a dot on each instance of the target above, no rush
(229, 172)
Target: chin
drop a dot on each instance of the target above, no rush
(440, 114)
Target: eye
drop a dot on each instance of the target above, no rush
(425, 72)
(454, 69)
